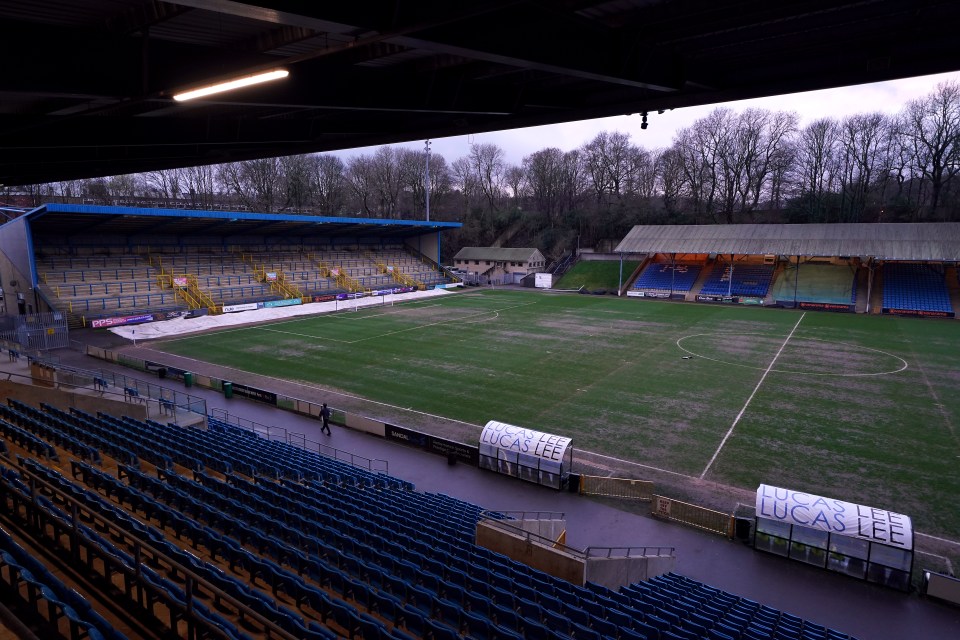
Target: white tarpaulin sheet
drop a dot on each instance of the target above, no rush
(526, 447)
(835, 516)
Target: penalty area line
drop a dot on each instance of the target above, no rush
(750, 399)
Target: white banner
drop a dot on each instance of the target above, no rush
(543, 280)
(835, 516)
(526, 447)
(231, 308)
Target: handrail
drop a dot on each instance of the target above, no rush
(488, 517)
(264, 431)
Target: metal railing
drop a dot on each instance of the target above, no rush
(628, 552)
(693, 515)
(496, 519)
(616, 488)
(110, 383)
(281, 434)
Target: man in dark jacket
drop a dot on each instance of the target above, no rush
(325, 416)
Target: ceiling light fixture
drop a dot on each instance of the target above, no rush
(229, 85)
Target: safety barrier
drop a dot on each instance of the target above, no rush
(616, 488)
(693, 515)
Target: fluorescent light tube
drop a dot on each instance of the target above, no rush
(229, 85)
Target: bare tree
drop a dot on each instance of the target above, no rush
(545, 174)
(297, 183)
(765, 149)
(413, 171)
(200, 184)
(814, 171)
(489, 167)
(515, 179)
(608, 160)
(465, 181)
(861, 139)
(930, 128)
(328, 183)
(641, 179)
(166, 184)
(67, 190)
(385, 174)
(696, 149)
(361, 180)
(257, 184)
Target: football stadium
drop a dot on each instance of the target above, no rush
(727, 385)
(227, 422)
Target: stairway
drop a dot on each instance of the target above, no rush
(952, 277)
(701, 280)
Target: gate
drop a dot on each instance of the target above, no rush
(41, 331)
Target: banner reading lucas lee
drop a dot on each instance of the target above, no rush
(835, 516)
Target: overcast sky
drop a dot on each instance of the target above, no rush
(887, 97)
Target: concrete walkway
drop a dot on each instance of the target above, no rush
(851, 606)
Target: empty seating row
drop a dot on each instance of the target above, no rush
(140, 584)
(739, 280)
(917, 287)
(28, 581)
(293, 462)
(668, 277)
(321, 569)
(409, 557)
(35, 421)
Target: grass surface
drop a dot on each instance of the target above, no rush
(861, 408)
(599, 274)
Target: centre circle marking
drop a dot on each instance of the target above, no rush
(903, 363)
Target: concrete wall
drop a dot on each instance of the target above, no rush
(944, 587)
(556, 562)
(33, 395)
(616, 572)
(365, 425)
(549, 529)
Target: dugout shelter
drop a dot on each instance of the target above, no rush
(871, 544)
(534, 456)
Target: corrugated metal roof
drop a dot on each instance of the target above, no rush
(496, 253)
(883, 241)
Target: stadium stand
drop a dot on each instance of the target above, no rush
(27, 582)
(158, 281)
(748, 280)
(822, 283)
(668, 277)
(314, 546)
(918, 287)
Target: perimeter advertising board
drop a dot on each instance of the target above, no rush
(120, 321)
(825, 306)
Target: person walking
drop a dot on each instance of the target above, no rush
(325, 417)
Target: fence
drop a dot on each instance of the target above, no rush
(104, 381)
(616, 488)
(40, 331)
(693, 515)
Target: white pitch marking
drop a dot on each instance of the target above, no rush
(434, 324)
(750, 399)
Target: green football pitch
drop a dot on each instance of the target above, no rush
(862, 408)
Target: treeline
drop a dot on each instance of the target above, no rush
(729, 167)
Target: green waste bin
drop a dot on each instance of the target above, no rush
(227, 389)
(187, 379)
